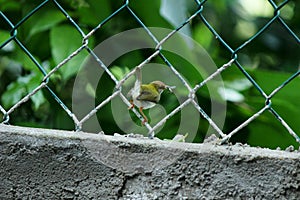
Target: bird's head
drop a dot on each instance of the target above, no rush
(160, 86)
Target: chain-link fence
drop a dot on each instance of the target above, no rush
(37, 79)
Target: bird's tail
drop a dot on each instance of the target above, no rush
(138, 81)
(137, 85)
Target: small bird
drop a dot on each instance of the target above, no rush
(146, 96)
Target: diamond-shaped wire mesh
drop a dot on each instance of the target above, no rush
(46, 72)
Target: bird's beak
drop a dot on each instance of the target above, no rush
(170, 88)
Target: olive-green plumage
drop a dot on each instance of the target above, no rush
(151, 92)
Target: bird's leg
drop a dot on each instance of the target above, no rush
(141, 111)
(132, 104)
(144, 116)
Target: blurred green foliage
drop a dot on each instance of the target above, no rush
(271, 58)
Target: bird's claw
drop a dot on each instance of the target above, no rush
(144, 122)
(131, 105)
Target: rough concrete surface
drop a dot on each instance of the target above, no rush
(52, 164)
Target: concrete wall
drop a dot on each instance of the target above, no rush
(51, 164)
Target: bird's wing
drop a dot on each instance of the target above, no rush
(137, 84)
(147, 94)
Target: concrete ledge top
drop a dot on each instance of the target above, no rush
(206, 147)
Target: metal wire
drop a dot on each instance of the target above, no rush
(234, 60)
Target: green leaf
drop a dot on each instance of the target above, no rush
(46, 20)
(5, 35)
(22, 58)
(150, 14)
(93, 12)
(14, 92)
(90, 90)
(17, 90)
(38, 98)
(64, 41)
(9, 5)
(119, 72)
(203, 36)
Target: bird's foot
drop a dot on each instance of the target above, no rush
(144, 121)
(131, 106)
